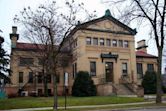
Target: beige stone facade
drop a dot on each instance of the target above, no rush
(104, 47)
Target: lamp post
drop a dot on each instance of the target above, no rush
(66, 85)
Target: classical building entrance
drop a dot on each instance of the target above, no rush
(109, 71)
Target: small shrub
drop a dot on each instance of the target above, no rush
(149, 82)
(83, 85)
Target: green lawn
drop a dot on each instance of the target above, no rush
(30, 102)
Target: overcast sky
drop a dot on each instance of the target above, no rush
(8, 8)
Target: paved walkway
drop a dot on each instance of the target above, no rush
(88, 106)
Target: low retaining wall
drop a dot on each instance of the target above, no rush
(104, 89)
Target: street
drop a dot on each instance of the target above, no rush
(157, 109)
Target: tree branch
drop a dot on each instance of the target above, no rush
(156, 6)
(155, 25)
(138, 3)
(162, 24)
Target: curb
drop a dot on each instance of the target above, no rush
(93, 106)
(134, 108)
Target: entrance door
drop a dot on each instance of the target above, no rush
(109, 71)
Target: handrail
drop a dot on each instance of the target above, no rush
(128, 84)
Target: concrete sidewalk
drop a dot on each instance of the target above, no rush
(80, 107)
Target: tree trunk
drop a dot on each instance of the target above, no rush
(45, 86)
(159, 80)
(55, 108)
(45, 83)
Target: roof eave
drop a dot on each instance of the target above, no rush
(85, 24)
(138, 56)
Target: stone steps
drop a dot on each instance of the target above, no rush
(123, 90)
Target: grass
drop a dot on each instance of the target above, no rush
(32, 102)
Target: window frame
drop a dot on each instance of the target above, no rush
(114, 43)
(75, 43)
(101, 41)
(139, 70)
(74, 69)
(120, 43)
(93, 68)
(49, 80)
(40, 78)
(30, 77)
(108, 42)
(26, 61)
(88, 40)
(21, 77)
(124, 70)
(40, 61)
(150, 68)
(126, 43)
(95, 42)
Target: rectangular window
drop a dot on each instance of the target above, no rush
(58, 78)
(126, 44)
(30, 77)
(150, 67)
(139, 70)
(40, 61)
(108, 42)
(49, 78)
(93, 68)
(20, 77)
(88, 41)
(95, 41)
(40, 77)
(74, 69)
(124, 69)
(26, 61)
(114, 43)
(49, 92)
(75, 43)
(102, 41)
(40, 92)
(120, 43)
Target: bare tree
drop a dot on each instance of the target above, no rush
(48, 27)
(151, 12)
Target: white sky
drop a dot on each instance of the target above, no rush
(8, 8)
